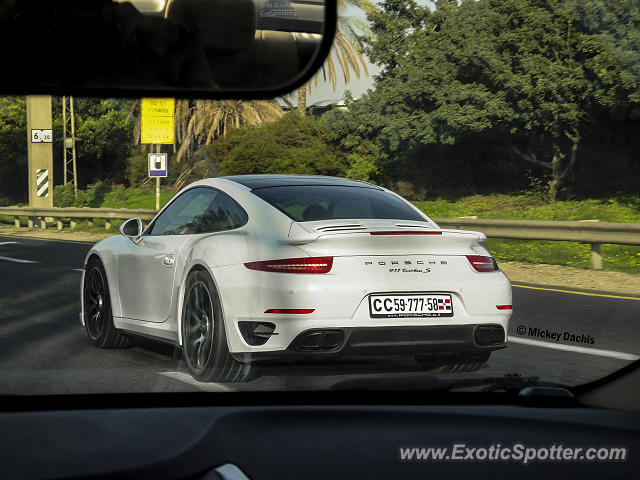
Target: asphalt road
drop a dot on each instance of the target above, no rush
(44, 349)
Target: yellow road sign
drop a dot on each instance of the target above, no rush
(157, 120)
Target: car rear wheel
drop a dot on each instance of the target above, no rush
(453, 363)
(98, 319)
(204, 342)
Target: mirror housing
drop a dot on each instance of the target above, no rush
(131, 228)
(201, 49)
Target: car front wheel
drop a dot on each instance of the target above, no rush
(98, 319)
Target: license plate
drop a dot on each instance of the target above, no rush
(421, 305)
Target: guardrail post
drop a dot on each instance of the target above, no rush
(72, 223)
(596, 257)
(16, 221)
(59, 222)
(30, 222)
(43, 222)
(90, 222)
(107, 224)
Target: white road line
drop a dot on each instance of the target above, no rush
(17, 260)
(574, 348)
(204, 386)
(9, 243)
(77, 270)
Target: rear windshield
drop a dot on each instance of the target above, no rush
(306, 203)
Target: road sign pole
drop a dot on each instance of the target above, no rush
(157, 185)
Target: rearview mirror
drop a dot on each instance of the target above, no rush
(175, 48)
(132, 228)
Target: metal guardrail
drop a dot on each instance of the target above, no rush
(42, 217)
(592, 232)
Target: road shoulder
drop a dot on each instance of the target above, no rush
(572, 278)
(54, 234)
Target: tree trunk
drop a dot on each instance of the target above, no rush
(558, 174)
(554, 184)
(302, 99)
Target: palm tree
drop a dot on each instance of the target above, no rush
(199, 122)
(346, 50)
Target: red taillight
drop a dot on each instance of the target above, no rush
(504, 307)
(290, 310)
(482, 264)
(294, 265)
(406, 233)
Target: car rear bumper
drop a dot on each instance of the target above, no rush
(386, 341)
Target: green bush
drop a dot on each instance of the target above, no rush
(293, 144)
(361, 167)
(137, 168)
(63, 196)
(118, 193)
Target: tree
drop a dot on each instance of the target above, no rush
(521, 72)
(616, 26)
(199, 122)
(105, 138)
(346, 50)
(292, 144)
(13, 150)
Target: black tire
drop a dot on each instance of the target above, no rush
(204, 340)
(98, 318)
(453, 363)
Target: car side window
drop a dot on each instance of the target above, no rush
(200, 210)
(224, 213)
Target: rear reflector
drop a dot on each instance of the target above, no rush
(290, 310)
(406, 233)
(294, 265)
(504, 307)
(482, 264)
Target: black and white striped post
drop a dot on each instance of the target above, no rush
(42, 182)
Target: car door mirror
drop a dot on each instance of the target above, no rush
(132, 228)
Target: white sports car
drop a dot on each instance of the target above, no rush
(243, 269)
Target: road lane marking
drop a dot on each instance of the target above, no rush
(576, 293)
(17, 260)
(574, 348)
(9, 243)
(77, 269)
(204, 386)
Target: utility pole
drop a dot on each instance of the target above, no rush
(40, 150)
(69, 135)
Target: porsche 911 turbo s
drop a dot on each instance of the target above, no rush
(244, 269)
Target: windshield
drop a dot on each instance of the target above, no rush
(454, 196)
(309, 203)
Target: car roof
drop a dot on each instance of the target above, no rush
(263, 181)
